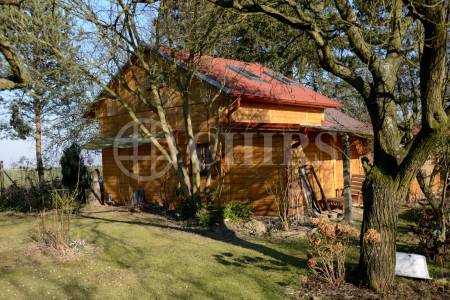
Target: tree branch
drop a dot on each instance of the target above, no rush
(325, 52)
(20, 76)
(354, 32)
(428, 192)
(11, 2)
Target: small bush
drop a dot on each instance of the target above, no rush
(430, 242)
(28, 198)
(329, 244)
(236, 212)
(278, 187)
(75, 174)
(186, 210)
(209, 216)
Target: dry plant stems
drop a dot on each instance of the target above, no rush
(55, 234)
(329, 244)
(278, 188)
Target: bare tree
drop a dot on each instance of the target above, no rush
(132, 33)
(366, 44)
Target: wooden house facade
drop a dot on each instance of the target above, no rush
(266, 122)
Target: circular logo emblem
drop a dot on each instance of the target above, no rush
(130, 144)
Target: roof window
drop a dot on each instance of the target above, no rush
(245, 73)
(281, 78)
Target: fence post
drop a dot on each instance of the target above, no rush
(2, 178)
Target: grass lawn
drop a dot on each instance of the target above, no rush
(143, 256)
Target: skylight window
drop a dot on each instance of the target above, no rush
(281, 78)
(245, 73)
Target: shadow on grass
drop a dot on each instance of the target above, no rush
(280, 259)
(125, 255)
(228, 259)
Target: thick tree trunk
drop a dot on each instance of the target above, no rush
(38, 140)
(377, 259)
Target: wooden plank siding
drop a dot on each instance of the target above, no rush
(269, 113)
(247, 182)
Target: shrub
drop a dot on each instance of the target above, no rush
(210, 215)
(329, 244)
(186, 210)
(28, 198)
(236, 211)
(431, 244)
(75, 174)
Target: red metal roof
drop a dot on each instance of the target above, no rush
(266, 86)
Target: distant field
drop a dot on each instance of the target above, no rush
(26, 176)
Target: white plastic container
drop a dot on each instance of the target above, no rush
(411, 265)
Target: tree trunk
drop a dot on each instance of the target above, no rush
(176, 157)
(377, 260)
(2, 179)
(346, 153)
(38, 140)
(443, 221)
(192, 146)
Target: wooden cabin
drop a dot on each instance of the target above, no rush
(264, 119)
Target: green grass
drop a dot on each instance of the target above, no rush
(142, 256)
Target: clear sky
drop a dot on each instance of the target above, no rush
(12, 151)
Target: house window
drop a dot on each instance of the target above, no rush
(204, 157)
(281, 78)
(245, 73)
